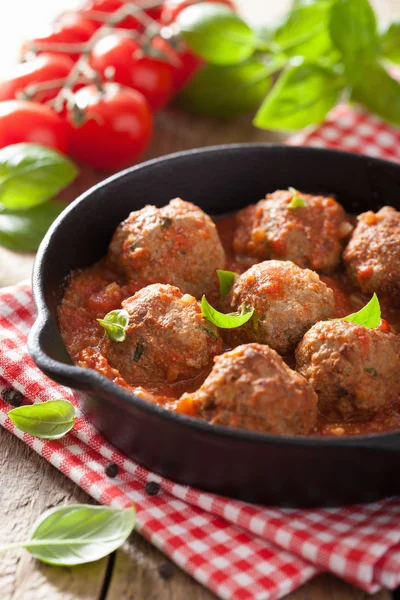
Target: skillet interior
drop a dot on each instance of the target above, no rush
(255, 467)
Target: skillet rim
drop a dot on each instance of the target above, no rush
(89, 380)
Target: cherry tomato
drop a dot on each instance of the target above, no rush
(182, 64)
(384, 326)
(117, 128)
(72, 28)
(110, 6)
(43, 68)
(172, 8)
(150, 76)
(22, 121)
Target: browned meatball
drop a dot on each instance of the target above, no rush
(372, 256)
(354, 370)
(167, 337)
(252, 388)
(312, 236)
(287, 300)
(176, 244)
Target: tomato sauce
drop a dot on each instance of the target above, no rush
(93, 292)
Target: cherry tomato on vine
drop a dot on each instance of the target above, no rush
(22, 121)
(116, 130)
(43, 68)
(150, 76)
(72, 28)
(172, 8)
(183, 64)
(110, 6)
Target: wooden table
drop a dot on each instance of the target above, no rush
(29, 485)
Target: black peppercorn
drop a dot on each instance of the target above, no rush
(166, 570)
(111, 470)
(12, 396)
(152, 488)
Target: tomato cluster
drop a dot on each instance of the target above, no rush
(104, 118)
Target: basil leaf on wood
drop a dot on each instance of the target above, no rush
(369, 316)
(390, 42)
(229, 321)
(297, 201)
(31, 174)
(216, 33)
(115, 324)
(225, 91)
(226, 281)
(303, 95)
(48, 420)
(78, 534)
(304, 31)
(353, 29)
(376, 89)
(23, 230)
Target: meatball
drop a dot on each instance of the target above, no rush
(372, 256)
(354, 370)
(312, 236)
(251, 387)
(287, 300)
(166, 338)
(176, 244)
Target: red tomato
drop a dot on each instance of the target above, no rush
(117, 128)
(110, 6)
(46, 67)
(70, 29)
(183, 64)
(30, 122)
(172, 8)
(150, 76)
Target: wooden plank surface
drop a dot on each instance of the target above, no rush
(28, 484)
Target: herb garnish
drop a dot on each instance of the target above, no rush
(77, 534)
(48, 420)
(229, 321)
(115, 324)
(226, 281)
(138, 352)
(369, 316)
(296, 201)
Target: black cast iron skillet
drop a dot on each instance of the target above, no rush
(268, 469)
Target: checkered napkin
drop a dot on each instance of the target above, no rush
(240, 551)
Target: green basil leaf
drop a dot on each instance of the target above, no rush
(304, 31)
(217, 33)
(390, 42)
(22, 231)
(296, 201)
(115, 324)
(376, 89)
(353, 29)
(78, 534)
(219, 91)
(226, 281)
(31, 174)
(302, 96)
(230, 321)
(48, 420)
(369, 316)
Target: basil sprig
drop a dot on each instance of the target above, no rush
(77, 534)
(229, 321)
(115, 324)
(226, 281)
(320, 52)
(369, 316)
(48, 420)
(297, 201)
(30, 175)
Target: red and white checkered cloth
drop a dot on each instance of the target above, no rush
(240, 551)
